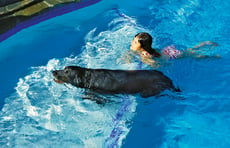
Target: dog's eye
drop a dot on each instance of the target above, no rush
(66, 71)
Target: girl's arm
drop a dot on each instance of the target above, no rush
(125, 58)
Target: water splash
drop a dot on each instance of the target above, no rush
(42, 112)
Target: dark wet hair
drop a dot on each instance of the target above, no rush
(146, 40)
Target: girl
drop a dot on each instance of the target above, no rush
(142, 45)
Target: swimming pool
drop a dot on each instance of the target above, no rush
(39, 112)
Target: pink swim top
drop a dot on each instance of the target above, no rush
(171, 51)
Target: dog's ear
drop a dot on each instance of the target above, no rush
(67, 67)
(73, 67)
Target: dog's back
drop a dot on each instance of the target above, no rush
(146, 82)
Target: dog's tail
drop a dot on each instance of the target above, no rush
(175, 89)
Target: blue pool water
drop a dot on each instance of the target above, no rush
(36, 112)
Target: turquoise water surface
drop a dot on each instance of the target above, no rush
(36, 112)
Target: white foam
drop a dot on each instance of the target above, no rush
(43, 110)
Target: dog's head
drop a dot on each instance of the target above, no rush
(64, 76)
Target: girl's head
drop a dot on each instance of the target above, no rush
(143, 41)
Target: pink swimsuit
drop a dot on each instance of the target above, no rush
(171, 51)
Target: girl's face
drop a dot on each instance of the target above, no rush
(135, 45)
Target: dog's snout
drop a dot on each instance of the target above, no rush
(54, 72)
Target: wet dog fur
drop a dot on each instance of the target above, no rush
(105, 81)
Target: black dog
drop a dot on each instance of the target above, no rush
(145, 82)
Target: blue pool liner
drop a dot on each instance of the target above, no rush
(57, 11)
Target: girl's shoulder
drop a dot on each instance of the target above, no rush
(146, 54)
